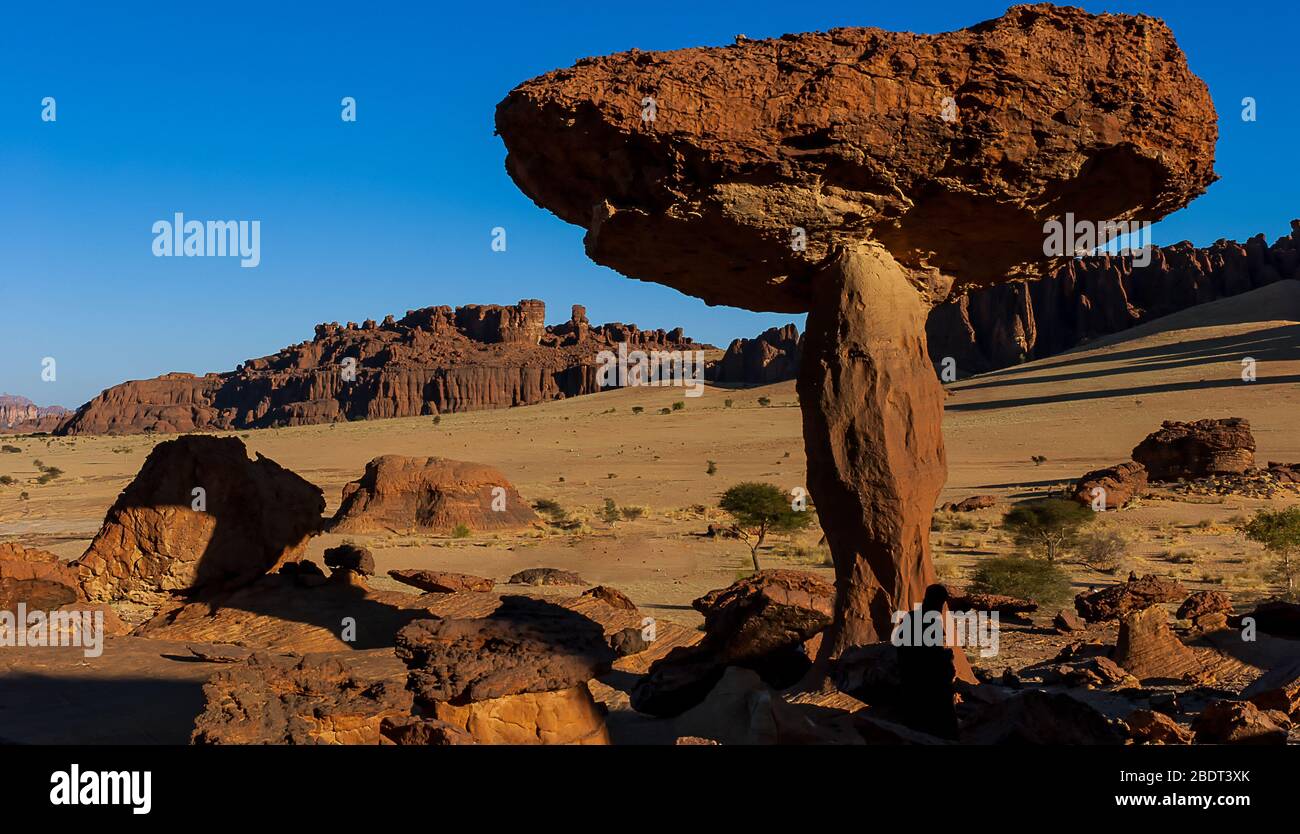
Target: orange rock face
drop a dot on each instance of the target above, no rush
(431, 495)
(951, 150)
(161, 535)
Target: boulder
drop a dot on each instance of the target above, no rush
(350, 557)
(317, 699)
(545, 576)
(36, 578)
(1197, 449)
(758, 623)
(1278, 689)
(842, 184)
(1033, 717)
(1134, 595)
(1148, 649)
(610, 596)
(429, 495)
(1068, 621)
(517, 676)
(199, 517)
(971, 504)
(1240, 722)
(1119, 484)
(1202, 603)
(1149, 727)
(442, 582)
(959, 599)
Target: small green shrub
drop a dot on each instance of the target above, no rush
(1018, 576)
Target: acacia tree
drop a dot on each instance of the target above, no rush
(1279, 532)
(1048, 526)
(759, 509)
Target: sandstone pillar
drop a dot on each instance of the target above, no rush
(872, 424)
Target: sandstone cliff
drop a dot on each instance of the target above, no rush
(1002, 325)
(21, 415)
(433, 360)
(999, 326)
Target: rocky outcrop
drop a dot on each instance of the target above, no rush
(1197, 449)
(199, 516)
(350, 557)
(1149, 727)
(545, 576)
(429, 495)
(841, 183)
(434, 360)
(1240, 722)
(1134, 595)
(19, 415)
(35, 578)
(517, 676)
(441, 582)
(1203, 603)
(995, 327)
(318, 699)
(1118, 485)
(772, 356)
(759, 623)
(1148, 649)
(970, 504)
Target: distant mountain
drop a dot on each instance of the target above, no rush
(21, 414)
(432, 361)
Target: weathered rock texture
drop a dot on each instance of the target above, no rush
(705, 169)
(1197, 449)
(759, 623)
(318, 699)
(19, 415)
(1148, 649)
(517, 676)
(1136, 594)
(429, 495)
(432, 361)
(1119, 484)
(442, 582)
(34, 577)
(842, 134)
(256, 514)
(994, 327)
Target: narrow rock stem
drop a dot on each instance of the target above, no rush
(872, 424)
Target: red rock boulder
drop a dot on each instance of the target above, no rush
(429, 495)
(199, 516)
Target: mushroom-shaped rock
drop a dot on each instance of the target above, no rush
(518, 676)
(857, 175)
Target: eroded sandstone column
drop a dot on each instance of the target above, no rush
(872, 425)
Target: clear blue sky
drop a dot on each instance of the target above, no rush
(231, 110)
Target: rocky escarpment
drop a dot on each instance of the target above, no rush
(1002, 325)
(19, 415)
(770, 357)
(433, 360)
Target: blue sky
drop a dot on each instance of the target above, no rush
(231, 110)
